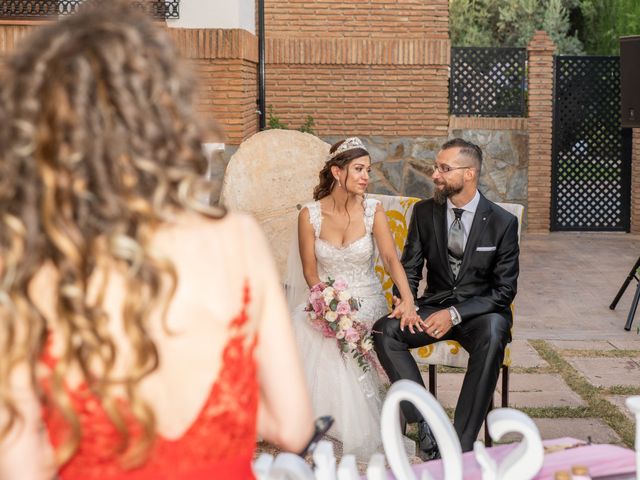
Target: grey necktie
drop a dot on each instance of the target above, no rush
(456, 241)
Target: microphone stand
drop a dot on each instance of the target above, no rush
(633, 274)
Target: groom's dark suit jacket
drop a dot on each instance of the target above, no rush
(487, 280)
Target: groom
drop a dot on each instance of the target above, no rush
(470, 246)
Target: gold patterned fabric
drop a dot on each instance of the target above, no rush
(399, 209)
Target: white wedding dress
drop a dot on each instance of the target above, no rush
(338, 386)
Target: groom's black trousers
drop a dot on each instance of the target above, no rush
(484, 337)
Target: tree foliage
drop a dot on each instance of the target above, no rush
(602, 22)
(512, 23)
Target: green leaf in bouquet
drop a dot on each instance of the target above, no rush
(333, 305)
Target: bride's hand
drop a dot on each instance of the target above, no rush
(320, 286)
(405, 310)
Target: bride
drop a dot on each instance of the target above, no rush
(336, 235)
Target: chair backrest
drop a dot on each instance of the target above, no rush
(517, 210)
(399, 210)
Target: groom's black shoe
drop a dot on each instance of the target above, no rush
(427, 446)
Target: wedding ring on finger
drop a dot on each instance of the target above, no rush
(435, 332)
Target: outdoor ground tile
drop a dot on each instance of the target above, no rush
(618, 401)
(563, 296)
(525, 390)
(579, 428)
(632, 344)
(607, 372)
(540, 390)
(582, 345)
(524, 355)
(449, 385)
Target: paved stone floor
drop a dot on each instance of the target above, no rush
(567, 282)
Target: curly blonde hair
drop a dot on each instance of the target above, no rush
(99, 142)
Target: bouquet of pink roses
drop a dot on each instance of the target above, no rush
(331, 310)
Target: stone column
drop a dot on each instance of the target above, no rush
(541, 70)
(635, 182)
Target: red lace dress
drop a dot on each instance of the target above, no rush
(218, 445)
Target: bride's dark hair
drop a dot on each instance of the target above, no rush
(326, 181)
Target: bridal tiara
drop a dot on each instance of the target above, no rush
(349, 144)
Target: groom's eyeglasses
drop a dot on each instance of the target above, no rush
(446, 168)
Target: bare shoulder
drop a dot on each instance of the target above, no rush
(303, 214)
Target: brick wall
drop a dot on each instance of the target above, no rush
(225, 64)
(368, 67)
(487, 123)
(541, 50)
(358, 18)
(361, 99)
(635, 182)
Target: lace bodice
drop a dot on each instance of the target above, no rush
(353, 262)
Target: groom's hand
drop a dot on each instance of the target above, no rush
(437, 324)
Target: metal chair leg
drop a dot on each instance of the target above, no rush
(433, 380)
(505, 386)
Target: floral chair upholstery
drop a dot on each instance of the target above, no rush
(447, 352)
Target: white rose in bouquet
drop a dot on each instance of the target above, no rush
(331, 316)
(345, 323)
(340, 334)
(328, 293)
(344, 296)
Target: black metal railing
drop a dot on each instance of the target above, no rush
(488, 82)
(34, 9)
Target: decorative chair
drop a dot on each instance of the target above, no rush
(447, 352)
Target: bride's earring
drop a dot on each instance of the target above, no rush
(339, 184)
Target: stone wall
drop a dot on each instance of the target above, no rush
(403, 165)
(504, 171)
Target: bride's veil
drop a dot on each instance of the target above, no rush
(295, 286)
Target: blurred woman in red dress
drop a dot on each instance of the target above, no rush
(142, 336)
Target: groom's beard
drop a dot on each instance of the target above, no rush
(440, 195)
